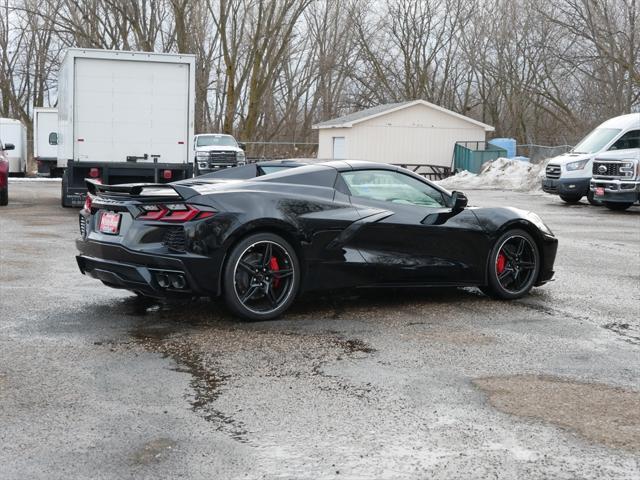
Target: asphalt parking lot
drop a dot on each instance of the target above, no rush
(355, 384)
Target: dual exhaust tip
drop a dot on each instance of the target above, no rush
(172, 280)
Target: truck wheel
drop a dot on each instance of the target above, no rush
(63, 191)
(617, 205)
(571, 198)
(593, 200)
(4, 196)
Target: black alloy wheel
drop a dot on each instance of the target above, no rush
(514, 265)
(261, 277)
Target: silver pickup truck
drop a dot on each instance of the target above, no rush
(616, 178)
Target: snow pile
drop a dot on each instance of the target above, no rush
(500, 174)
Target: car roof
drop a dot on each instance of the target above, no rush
(630, 120)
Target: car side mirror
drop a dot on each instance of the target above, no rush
(242, 145)
(459, 201)
(9, 146)
(53, 138)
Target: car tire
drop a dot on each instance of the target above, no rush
(571, 198)
(64, 185)
(617, 206)
(252, 286)
(512, 272)
(4, 196)
(591, 198)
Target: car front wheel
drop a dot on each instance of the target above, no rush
(261, 277)
(514, 265)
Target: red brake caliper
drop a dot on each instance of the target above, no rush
(273, 265)
(501, 263)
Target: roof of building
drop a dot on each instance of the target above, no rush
(347, 121)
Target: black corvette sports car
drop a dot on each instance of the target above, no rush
(262, 241)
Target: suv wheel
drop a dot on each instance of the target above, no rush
(571, 198)
(617, 205)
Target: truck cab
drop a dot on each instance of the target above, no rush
(616, 177)
(215, 151)
(569, 175)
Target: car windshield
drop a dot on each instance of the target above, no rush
(216, 140)
(596, 140)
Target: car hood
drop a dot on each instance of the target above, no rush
(571, 157)
(492, 219)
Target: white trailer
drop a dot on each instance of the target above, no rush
(124, 117)
(13, 131)
(45, 140)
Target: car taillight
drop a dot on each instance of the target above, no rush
(87, 203)
(167, 174)
(175, 212)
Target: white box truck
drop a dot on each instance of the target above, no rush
(14, 132)
(124, 117)
(45, 140)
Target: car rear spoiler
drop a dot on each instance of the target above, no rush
(144, 190)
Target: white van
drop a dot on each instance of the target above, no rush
(14, 132)
(568, 175)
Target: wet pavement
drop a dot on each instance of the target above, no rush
(355, 384)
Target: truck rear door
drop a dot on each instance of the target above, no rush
(130, 108)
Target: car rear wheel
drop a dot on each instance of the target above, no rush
(571, 198)
(4, 196)
(261, 277)
(514, 265)
(617, 205)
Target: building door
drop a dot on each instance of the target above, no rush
(339, 148)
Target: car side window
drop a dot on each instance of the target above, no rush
(631, 139)
(396, 187)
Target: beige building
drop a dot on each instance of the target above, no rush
(413, 132)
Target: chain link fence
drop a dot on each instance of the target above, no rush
(260, 151)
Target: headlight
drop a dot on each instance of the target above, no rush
(202, 154)
(579, 165)
(240, 154)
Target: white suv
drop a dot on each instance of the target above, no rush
(213, 151)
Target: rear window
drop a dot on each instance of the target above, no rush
(315, 175)
(272, 169)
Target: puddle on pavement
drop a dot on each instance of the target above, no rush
(599, 413)
(153, 451)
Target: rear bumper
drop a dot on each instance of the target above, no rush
(566, 186)
(119, 267)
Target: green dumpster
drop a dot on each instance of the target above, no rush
(471, 156)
